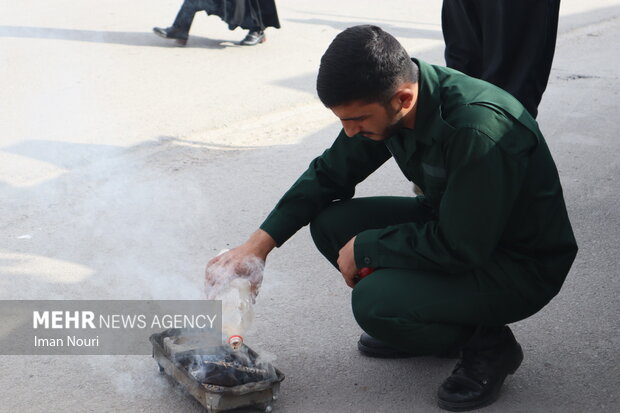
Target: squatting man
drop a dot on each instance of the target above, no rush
(488, 243)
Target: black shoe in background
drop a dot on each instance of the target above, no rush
(371, 347)
(172, 33)
(253, 38)
(486, 360)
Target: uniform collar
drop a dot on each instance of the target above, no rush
(427, 112)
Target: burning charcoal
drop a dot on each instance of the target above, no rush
(224, 368)
(232, 372)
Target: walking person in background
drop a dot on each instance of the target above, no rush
(505, 42)
(252, 15)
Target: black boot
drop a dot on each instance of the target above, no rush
(486, 360)
(253, 38)
(172, 33)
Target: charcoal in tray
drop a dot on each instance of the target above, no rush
(222, 368)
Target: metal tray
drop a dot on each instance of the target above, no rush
(215, 398)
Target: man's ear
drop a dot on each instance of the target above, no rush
(406, 97)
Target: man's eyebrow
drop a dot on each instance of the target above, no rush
(355, 117)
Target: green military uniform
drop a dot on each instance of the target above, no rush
(489, 242)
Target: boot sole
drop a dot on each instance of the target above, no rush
(491, 398)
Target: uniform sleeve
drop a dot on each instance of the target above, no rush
(330, 177)
(483, 183)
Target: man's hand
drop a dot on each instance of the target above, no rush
(242, 260)
(346, 263)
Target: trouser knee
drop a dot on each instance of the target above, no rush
(342, 220)
(327, 234)
(321, 241)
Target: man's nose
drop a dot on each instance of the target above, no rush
(351, 129)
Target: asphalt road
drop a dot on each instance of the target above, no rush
(126, 163)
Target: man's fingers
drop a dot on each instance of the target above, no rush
(340, 264)
(217, 258)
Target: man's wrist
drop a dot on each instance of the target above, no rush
(262, 242)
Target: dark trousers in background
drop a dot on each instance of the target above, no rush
(422, 312)
(509, 43)
(189, 8)
(247, 14)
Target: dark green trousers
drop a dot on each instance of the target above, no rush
(423, 312)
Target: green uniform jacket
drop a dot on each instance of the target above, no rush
(485, 170)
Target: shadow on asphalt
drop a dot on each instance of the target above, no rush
(101, 36)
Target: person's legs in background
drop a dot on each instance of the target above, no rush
(512, 43)
(518, 43)
(463, 36)
(249, 14)
(258, 16)
(179, 30)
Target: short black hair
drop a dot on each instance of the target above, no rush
(363, 63)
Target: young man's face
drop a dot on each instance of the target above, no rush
(372, 120)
